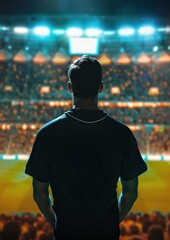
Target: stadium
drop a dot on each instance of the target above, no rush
(35, 53)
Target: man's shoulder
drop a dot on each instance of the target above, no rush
(118, 125)
(53, 124)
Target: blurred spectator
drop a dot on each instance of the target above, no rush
(146, 223)
(155, 232)
(30, 234)
(136, 237)
(11, 231)
(134, 230)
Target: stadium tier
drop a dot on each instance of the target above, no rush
(132, 82)
(42, 112)
(29, 95)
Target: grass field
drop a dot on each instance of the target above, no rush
(16, 188)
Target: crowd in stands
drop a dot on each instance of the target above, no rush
(25, 81)
(19, 139)
(135, 81)
(136, 226)
(154, 226)
(24, 226)
(35, 85)
(37, 112)
(143, 115)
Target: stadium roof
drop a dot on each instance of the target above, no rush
(145, 8)
(82, 21)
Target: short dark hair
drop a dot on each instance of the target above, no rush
(85, 74)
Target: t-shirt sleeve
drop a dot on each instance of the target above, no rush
(133, 164)
(38, 165)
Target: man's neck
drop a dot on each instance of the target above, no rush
(85, 103)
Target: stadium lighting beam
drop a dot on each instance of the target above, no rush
(167, 29)
(93, 32)
(59, 31)
(74, 32)
(21, 30)
(4, 28)
(126, 31)
(108, 33)
(147, 30)
(41, 31)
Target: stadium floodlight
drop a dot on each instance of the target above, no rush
(147, 30)
(41, 31)
(126, 31)
(59, 31)
(155, 48)
(4, 28)
(108, 33)
(161, 29)
(166, 29)
(74, 32)
(21, 30)
(93, 32)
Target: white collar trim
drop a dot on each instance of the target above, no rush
(86, 121)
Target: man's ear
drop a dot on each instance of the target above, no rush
(69, 87)
(101, 87)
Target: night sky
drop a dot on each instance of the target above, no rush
(134, 8)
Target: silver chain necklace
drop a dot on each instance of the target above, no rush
(86, 121)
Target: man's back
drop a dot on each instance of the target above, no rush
(87, 152)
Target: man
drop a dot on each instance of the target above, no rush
(81, 155)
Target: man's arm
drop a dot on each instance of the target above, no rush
(127, 197)
(43, 200)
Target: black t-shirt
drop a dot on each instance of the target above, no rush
(82, 154)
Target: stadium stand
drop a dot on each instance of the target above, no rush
(134, 82)
(43, 112)
(27, 89)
